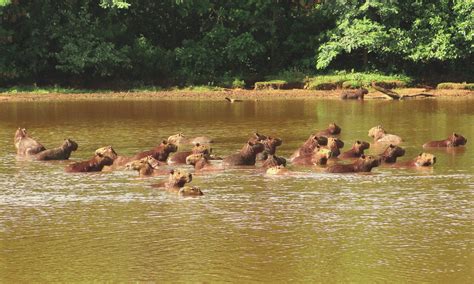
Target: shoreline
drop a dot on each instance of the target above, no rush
(241, 94)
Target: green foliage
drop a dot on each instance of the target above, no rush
(455, 86)
(238, 84)
(356, 80)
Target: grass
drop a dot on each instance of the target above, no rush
(357, 80)
(455, 86)
(61, 90)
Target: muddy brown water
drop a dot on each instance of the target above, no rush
(393, 225)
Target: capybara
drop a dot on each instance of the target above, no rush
(354, 94)
(180, 139)
(334, 144)
(380, 136)
(273, 161)
(63, 152)
(277, 170)
(246, 156)
(422, 160)
(362, 164)
(356, 151)
(200, 162)
(147, 166)
(180, 157)
(321, 157)
(25, 145)
(161, 152)
(270, 147)
(309, 145)
(104, 156)
(454, 140)
(177, 180)
(391, 154)
(332, 130)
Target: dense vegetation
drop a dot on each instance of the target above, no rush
(128, 43)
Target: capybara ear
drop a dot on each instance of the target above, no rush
(197, 144)
(358, 142)
(420, 154)
(391, 146)
(250, 143)
(171, 171)
(362, 156)
(454, 134)
(164, 142)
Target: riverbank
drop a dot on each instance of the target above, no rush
(220, 95)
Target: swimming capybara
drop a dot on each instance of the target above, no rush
(62, 152)
(334, 144)
(270, 147)
(422, 160)
(147, 166)
(333, 129)
(380, 136)
(180, 157)
(391, 154)
(161, 152)
(177, 180)
(309, 145)
(25, 145)
(179, 139)
(354, 94)
(104, 156)
(356, 151)
(362, 164)
(246, 156)
(454, 140)
(273, 161)
(321, 157)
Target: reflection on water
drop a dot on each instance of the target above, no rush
(395, 225)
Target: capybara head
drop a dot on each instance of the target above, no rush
(148, 161)
(334, 129)
(317, 140)
(176, 139)
(168, 147)
(334, 143)
(392, 152)
(425, 160)
(364, 91)
(366, 162)
(276, 170)
(257, 137)
(271, 143)
(106, 152)
(20, 133)
(361, 145)
(377, 132)
(321, 156)
(69, 144)
(190, 191)
(179, 177)
(457, 140)
(194, 158)
(201, 149)
(255, 147)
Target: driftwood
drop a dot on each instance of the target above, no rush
(396, 96)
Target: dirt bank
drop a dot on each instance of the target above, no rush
(219, 95)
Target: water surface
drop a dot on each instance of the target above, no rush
(394, 225)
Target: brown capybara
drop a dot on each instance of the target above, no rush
(177, 180)
(104, 156)
(309, 145)
(246, 156)
(318, 157)
(362, 164)
(332, 130)
(180, 157)
(273, 161)
(256, 137)
(334, 144)
(391, 154)
(380, 136)
(270, 147)
(356, 151)
(198, 161)
(454, 140)
(422, 160)
(180, 139)
(277, 170)
(25, 145)
(161, 152)
(63, 152)
(321, 157)
(354, 94)
(145, 167)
